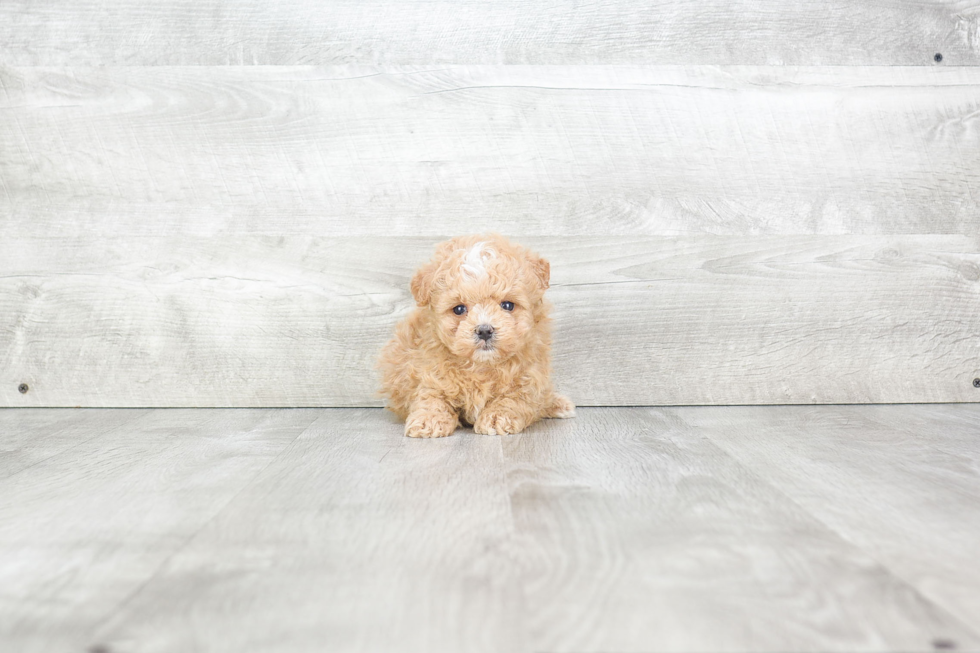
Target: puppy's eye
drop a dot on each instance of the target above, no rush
(507, 306)
(459, 309)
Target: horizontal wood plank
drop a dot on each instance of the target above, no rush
(298, 321)
(525, 150)
(218, 32)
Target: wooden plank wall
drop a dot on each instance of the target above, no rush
(220, 204)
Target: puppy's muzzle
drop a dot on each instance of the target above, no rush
(484, 332)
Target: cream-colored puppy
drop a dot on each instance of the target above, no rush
(478, 346)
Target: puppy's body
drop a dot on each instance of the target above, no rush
(477, 347)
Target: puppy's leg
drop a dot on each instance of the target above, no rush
(503, 416)
(431, 417)
(559, 407)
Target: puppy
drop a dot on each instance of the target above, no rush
(477, 347)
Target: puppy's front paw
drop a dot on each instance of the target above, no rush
(561, 407)
(494, 423)
(430, 424)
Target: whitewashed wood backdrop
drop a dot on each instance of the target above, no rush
(220, 204)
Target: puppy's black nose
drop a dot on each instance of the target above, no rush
(484, 332)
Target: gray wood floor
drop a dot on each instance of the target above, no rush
(796, 528)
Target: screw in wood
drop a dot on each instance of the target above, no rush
(23, 388)
(976, 383)
(938, 57)
(943, 644)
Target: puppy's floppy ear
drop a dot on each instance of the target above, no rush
(422, 284)
(541, 269)
(424, 279)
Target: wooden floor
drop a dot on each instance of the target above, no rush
(793, 528)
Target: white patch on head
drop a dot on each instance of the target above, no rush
(474, 263)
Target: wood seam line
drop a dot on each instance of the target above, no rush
(145, 413)
(940, 607)
(99, 623)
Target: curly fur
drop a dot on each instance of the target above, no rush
(436, 371)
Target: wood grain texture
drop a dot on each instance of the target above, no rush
(31, 436)
(955, 422)
(83, 530)
(640, 534)
(900, 482)
(367, 541)
(217, 32)
(524, 150)
(291, 321)
(721, 529)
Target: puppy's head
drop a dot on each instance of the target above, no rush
(485, 295)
